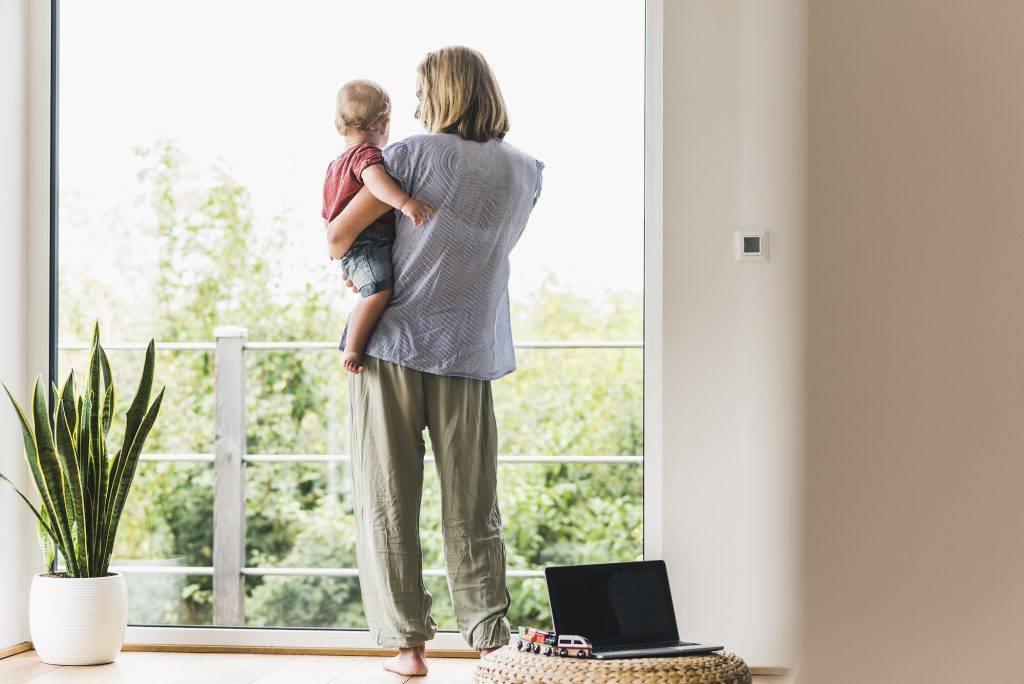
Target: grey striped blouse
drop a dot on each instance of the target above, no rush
(449, 312)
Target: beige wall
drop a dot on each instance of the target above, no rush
(13, 111)
(733, 393)
(915, 470)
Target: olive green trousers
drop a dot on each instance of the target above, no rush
(390, 407)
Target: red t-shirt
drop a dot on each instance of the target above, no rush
(345, 179)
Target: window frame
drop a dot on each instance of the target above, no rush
(42, 294)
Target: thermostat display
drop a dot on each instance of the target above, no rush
(751, 246)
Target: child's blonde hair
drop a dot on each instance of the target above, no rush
(460, 92)
(361, 105)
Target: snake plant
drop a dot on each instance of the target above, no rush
(82, 488)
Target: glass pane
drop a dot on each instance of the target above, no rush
(168, 521)
(296, 402)
(190, 190)
(572, 402)
(333, 602)
(299, 515)
(282, 601)
(169, 599)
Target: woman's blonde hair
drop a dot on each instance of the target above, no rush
(459, 94)
(362, 105)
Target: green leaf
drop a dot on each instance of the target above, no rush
(109, 406)
(53, 480)
(95, 392)
(141, 400)
(123, 484)
(110, 396)
(49, 549)
(32, 459)
(66, 427)
(108, 377)
(73, 485)
(133, 420)
(39, 516)
(85, 409)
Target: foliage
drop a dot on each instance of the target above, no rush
(82, 487)
(218, 265)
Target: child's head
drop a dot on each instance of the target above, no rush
(363, 106)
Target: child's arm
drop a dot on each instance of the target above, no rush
(386, 190)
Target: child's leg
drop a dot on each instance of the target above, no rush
(360, 324)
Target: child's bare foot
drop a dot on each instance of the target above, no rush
(409, 662)
(353, 361)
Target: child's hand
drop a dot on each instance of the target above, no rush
(417, 211)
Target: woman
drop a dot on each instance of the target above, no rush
(443, 338)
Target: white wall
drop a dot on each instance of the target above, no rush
(733, 395)
(915, 474)
(13, 111)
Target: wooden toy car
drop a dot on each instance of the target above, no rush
(549, 643)
(536, 640)
(573, 645)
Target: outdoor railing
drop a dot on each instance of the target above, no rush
(229, 456)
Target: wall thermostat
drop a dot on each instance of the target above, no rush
(751, 246)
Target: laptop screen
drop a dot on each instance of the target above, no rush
(613, 604)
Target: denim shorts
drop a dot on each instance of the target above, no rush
(368, 261)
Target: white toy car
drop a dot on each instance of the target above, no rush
(573, 645)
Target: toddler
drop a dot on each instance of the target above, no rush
(363, 118)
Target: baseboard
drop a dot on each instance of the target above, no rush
(293, 650)
(16, 649)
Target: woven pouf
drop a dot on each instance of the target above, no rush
(509, 666)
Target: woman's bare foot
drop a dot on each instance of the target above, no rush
(484, 652)
(409, 661)
(352, 360)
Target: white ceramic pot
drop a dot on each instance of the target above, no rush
(78, 621)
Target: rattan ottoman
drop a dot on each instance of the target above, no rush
(510, 666)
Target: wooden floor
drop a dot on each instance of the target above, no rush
(216, 668)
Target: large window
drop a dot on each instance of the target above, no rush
(193, 138)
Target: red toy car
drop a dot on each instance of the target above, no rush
(537, 640)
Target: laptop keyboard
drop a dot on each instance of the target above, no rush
(648, 645)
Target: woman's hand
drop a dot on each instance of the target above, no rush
(348, 282)
(363, 210)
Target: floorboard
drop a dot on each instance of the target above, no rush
(119, 670)
(22, 667)
(312, 668)
(237, 668)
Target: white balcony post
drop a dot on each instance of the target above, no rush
(229, 487)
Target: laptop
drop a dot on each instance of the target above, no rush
(624, 609)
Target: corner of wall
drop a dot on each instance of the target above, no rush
(14, 523)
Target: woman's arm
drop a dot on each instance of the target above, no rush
(363, 210)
